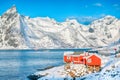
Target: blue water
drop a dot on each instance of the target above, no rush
(18, 64)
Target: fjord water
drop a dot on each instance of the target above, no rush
(17, 65)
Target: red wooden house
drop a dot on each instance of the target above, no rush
(68, 57)
(89, 60)
(93, 60)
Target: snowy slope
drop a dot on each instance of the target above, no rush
(19, 32)
(110, 72)
(106, 29)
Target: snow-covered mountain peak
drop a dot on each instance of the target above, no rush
(107, 28)
(109, 17)
(19, 31)
(10, 29)
(10, 14)
(72, 22)
(105, 20)
(12, 10)
(48, 19)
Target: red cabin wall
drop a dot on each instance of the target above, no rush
(93, 61)
(67, 58)
(77, 59)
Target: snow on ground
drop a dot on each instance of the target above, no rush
(58, 73)
(110, 71)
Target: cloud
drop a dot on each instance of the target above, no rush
(98, 4)
(83, 19)
(87, 19)
(115, 5)
(103, 15)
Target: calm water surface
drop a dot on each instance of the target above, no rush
(17, 65)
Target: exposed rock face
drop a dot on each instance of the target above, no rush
(10, 31)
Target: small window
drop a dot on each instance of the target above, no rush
(68, 57)
(89, 60)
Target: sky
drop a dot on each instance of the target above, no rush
(60, 10)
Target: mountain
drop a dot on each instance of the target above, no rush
(107, 29)
(10, 31)
(22, 32)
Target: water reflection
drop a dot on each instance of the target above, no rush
(16, 65)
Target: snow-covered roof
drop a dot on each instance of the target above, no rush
(92, 55)
(76, 55)
(68, 53)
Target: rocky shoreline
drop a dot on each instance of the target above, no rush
(54, 73)
(36, 77)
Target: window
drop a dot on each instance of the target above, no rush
(68, 57)
(89, 60)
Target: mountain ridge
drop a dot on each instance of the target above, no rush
(23, 32)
